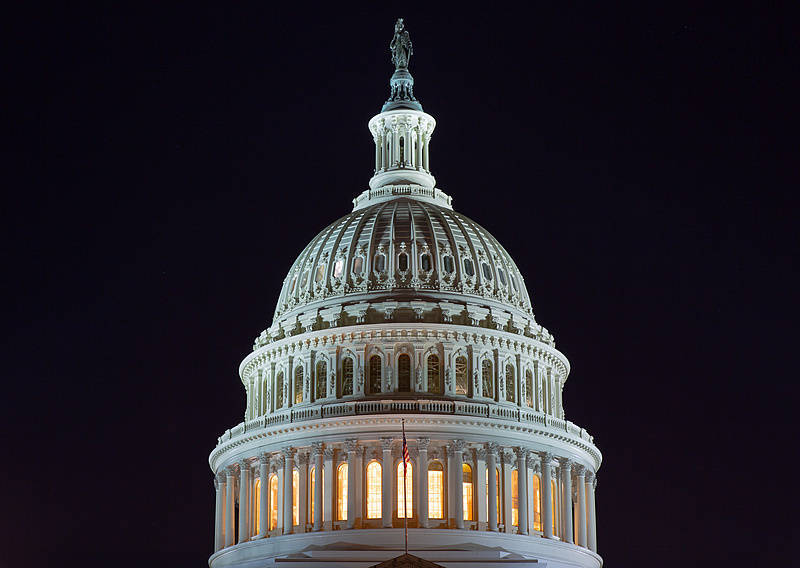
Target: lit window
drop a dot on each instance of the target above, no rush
(380, 262)
(449, 264)
(537, 504)
(426, 263)
(434, 375)
(279, 390)
(462, 382)
(322, 379)
(375, 374)
(312, 483)
(529, 388)
(467, 491)
(488, 379)
(273, 502)
(487, 272)
(403, 506)
(511, 383)
(402, 262)
(319, 274)
(295, 497)
(257, 506)
(554, 504)
(515, 498)
(469, 268)
(347, 376)
(404, 373)
(435, 491)
(374, 490)
(338, 268)
(341, 492)
(298, 384)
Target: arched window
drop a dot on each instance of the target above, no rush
(375, 374)
(279, 390)
(295, 497)
(511, 383)
(404, 373)
(488, 379)
(347, 376)
(537, 504)
(311, 484)
(467, 491)
(462, 381)
(529, 388)
(256, 506)
(298, 384)
(554, 504)
(515, 498)
(374, 490)
(341, 492)
(404, 506)
(273, 502)
(322, 380)
(434, 375)
(435, 490)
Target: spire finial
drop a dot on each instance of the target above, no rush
(401, 83)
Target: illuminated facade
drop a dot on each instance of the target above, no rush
(404, 308)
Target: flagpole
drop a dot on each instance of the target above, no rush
(405, 493)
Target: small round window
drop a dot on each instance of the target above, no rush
(469, 268)
(402, 262)
(338, 268)
(449, 264)
(487, 272)
(426, 262)
(380, 262)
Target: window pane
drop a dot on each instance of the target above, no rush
(312, 482)
(338, 268)
(435, 492)
(502, 275)
(404, 373)
(273, 502)
(380, 263)
(402, 262)
(295, 497)
(374, 491)
(279, 390)
(515, 498)
(320, 274)
(488, 379)
(487, 272)
(469, 268)
(341, 492)
(358, 265)
(347, 376)
(374, 374)
(449, 265)
(426, 262)
(537, 504)
(257, 506)
(404, 505)
(467, 492)
(298, 385)
(434, 376)
(529, 388)
(461, 375)
(511, 383)
(322, 379)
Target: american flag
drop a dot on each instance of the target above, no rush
(406, 457)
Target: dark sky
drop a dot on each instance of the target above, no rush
(169, 163)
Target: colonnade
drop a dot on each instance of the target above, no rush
(402, 146)
(535, 493)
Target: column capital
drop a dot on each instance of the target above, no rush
(216, 483)
(546, 458)
(386, 444)
(280, 461)
(287, 452)
(566, 463)
(244, 465)
(231, 471)
(328, 453)
(351, 445)
(580, 471)
(481, 454)
(423, 443)
(220, 477)
(522, 452)
(459, 445)
(263, 459)
(506, 458)
(317, 448)
(591, 477)
(302, 459)
(492, 448)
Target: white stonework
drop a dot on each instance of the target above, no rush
(404, 309)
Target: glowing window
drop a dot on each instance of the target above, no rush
(515, 498)
(298, 384)
(469, 268)
(488, 379)
(257, 506)
(322, 379)
(434, 375)
(537, 504)
(273, 502)
(449, 264)
(426, 263)
(511, 383)
(279, 390)
(402, 262)
(553, 493)
(347, 376)
(338, 268)
(487, 272)
(295, 497)
(462, 381)
(341, 492)
(374, 490)
(380, 262)
(312, 482)
(467, 491)
(529, 388)
(319, 274)
(403, 506)
(358, 265)
(375, 374)
(435, 491)
(404, 373)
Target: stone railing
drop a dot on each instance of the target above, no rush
(421, 406)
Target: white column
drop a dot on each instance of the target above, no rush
(422, 475)
(566, 508)
(351, 445)
(302, 492)
(329, 508)
(244, 470)
(450, 506)
(386, 485)
(426, 153)
(581, 481)
(418, 160)
(318, 481)
(263, 476)
(288, 469)
(547, 495)
(591, 485)
(230, 512)
(479, 475)
(219, 517)
(279, 499)
(491, 479)
(522, 484)
(458, 482)
(377, 152)
(395, 145)
(508, 462)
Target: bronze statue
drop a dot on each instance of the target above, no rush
(400, 46)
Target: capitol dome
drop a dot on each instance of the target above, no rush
(404, 398)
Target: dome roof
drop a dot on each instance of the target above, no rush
(404, 249)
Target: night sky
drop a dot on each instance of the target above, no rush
(166, 165)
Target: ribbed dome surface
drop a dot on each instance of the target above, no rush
(403, 249)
